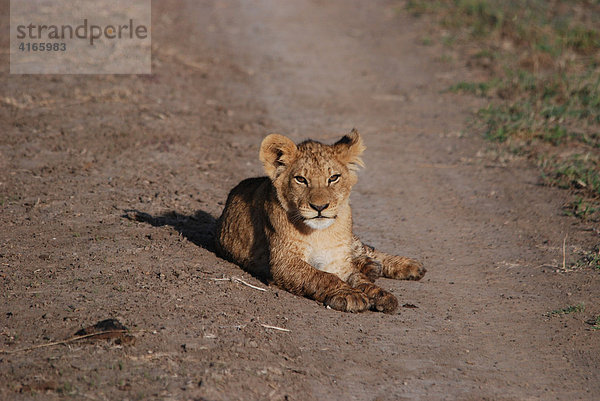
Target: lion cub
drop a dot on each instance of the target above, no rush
(294, 227)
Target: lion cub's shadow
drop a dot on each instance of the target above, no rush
(198, 228)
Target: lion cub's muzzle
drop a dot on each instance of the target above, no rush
(318, 211)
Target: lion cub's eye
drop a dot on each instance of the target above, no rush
(300, 180)
(334, 178)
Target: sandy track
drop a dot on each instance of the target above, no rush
(171, 146)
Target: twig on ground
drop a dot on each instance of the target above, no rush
(266, 326)
(565, 252)
(239, 280)
(68, 340)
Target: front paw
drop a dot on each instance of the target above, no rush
(348, 300)
(401, 268)
(381, 300)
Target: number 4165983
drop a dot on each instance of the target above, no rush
(42, 47)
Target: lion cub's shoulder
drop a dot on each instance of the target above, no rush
(250, 190)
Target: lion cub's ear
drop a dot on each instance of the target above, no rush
(276, 152)
(349, 149)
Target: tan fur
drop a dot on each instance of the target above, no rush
(294, 227)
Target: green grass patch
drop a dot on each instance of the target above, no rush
(475, 88)
(595, 322)
(557, 110)
(426, 41)
(569, 309)
(541, 60)
(66, 389)
(549, 26)
(590, 259)
(583, 209)
(578, 172)
(419, 7)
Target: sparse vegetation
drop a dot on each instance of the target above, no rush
(65, 389)
(590, 259)
(542, 60)
(479, 88)
(595, 323)
(585, 210)
(577, 172)
(567, 310)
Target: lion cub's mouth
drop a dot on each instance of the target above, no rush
(319, 217)
(319, 222)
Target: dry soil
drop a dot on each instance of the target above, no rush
(109, 186)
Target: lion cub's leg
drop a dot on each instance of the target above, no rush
(370, 268)
(381, 300)
(392, 266)
(300, 278)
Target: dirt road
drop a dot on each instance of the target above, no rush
(109, 186)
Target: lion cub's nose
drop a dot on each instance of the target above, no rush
(319, 208)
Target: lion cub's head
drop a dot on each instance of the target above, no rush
(312, 180)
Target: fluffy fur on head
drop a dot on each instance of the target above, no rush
(350, 148)
(276, 153)
(312, 180)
